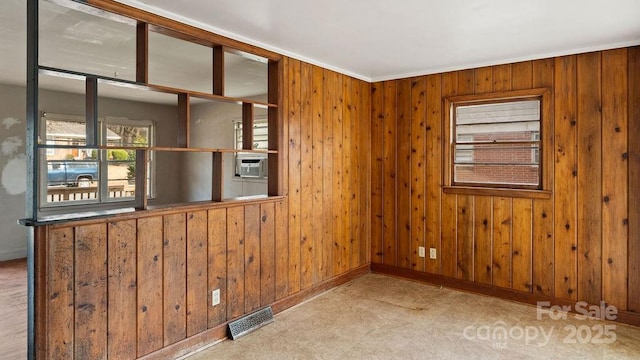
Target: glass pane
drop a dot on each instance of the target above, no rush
(87, 40)
(245, 76)
(519, 131)
(180, 64)
(505, 112)
(497, 164)
(497, 174)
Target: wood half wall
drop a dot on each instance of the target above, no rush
(582, 244)
(139, 285)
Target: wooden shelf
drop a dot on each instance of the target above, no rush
(51, 71)
(158, 148)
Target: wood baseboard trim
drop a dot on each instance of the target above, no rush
(625, 317)
(219, 332)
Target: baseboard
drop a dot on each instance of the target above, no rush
(219, 332)
(13, 254)
(626, 317)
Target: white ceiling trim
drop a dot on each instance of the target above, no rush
(234, 36)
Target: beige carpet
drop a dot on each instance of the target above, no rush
(381, 317)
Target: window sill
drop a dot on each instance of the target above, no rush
(485, 191)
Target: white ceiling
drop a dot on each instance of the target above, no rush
(381, 39)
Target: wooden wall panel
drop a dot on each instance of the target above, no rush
(482, 239)
(307, 242)
(389, 233)
(235, 262)
(355, 170)
(90, 298)
(121, 245)
(60, 287)
(347, 186)
(366, 151)
(377, 171)
(267, 254)
(433, 168)
(578, 241)
(174, 278)
(282, 249)
(565, 186)
(403, 175)
(252, 259)
(294, 121)
(615, 183)
(589, 177)
(329, 84)
(317, 173)
(217, 265)
(521, 245)
(418, 157)
(336, 101)
(502, 242)
(542, 72)
(150, 335)
(634, 173)
(197, 293)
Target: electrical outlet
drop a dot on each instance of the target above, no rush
(432, 253)
(421, 251)
(215, 297)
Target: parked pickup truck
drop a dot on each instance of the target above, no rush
(72, 173)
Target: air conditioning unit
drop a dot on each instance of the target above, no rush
(251, 167)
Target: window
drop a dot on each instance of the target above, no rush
(260, 134)
(495, 141)
(85, 175)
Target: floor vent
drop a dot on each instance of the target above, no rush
(251, 322)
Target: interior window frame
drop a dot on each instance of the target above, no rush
(542, 190)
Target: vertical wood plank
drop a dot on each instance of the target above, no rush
(565, 185)
(484, 79)
(403, 175)
(389, 167)
(338, 172)
(90, 334)
(522, 233)
(466, 82)
(235, 262)
(329, 83)
(218, 70)
(433, 181)
(247, 126)
(217, 265)
(307, 248)
(615, 184)
(366, 151)
(449, 253)
(294, 174)
(465, 246)
(252, 259)
(174, 279)
(317, 173)
(282, 249)
(377, 173)
(502, 77)
(356, 167)
(184, 120)
(142, 52)
(634, 173)
(522, 75)
(121, 328)
(543, 212)
(60, 290)
(589, 178)
(482, 244)
(502, 225)
(217, 184)
(150, 262)
(348, 111)
(267, 254)
(197, 293)
(418, 164)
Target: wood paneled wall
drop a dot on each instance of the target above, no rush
(133, 285)
(581, 244)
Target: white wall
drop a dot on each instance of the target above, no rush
(212, 127)
(13, 237)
